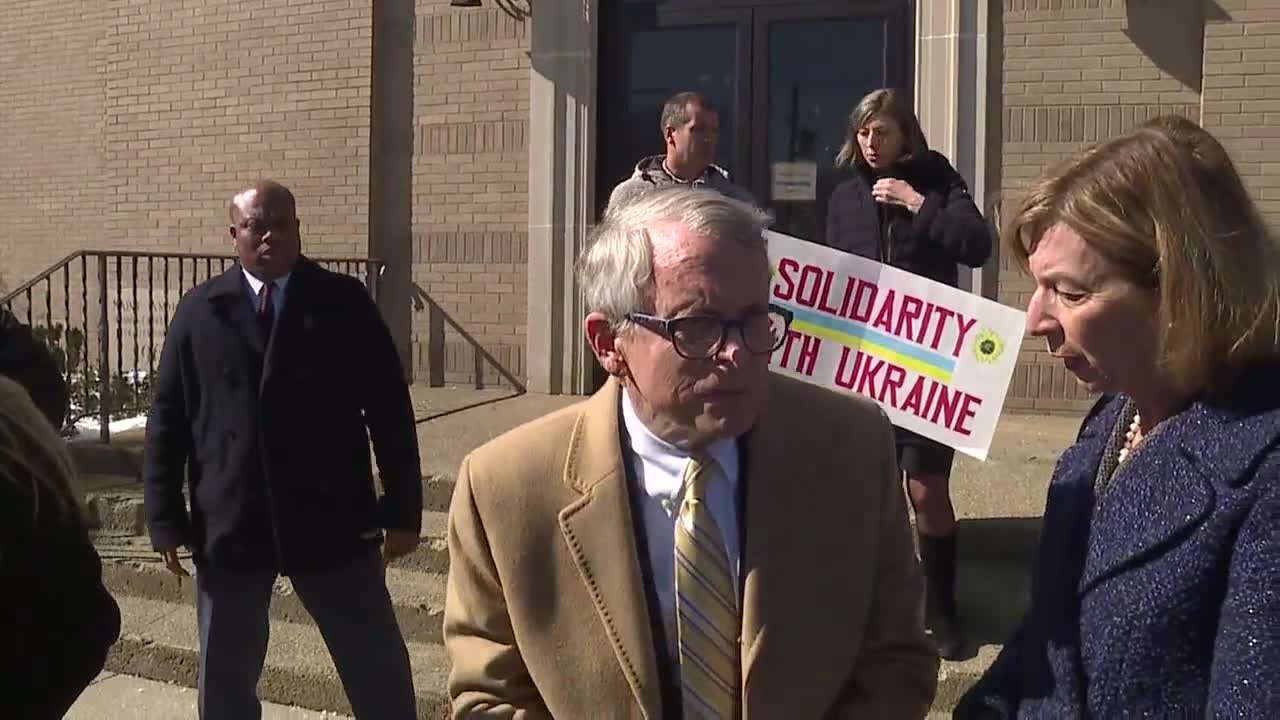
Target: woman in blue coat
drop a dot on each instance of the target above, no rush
(1157, 588)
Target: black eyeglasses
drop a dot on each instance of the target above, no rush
(698, 337)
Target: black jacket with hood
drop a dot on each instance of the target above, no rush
(948, 230)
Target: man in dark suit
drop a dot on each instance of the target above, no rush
(273, 379)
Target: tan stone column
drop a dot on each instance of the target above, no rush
(562, 97)
(957, 87)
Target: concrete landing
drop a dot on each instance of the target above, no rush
(114, 695)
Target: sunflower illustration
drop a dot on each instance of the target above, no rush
(988, 347)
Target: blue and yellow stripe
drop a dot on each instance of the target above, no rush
(857, 336)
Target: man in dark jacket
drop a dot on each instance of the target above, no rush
(273, 379)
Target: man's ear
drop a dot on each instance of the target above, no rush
(603, 339)
(668, 136)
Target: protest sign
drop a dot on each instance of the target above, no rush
(937, 359)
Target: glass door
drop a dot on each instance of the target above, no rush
(784, 75)
(650, 52)
(812, 64)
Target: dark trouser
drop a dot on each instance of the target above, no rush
(352, 608)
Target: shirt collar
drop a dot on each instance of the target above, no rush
(654, 449)
(700, 179)
(256, 285)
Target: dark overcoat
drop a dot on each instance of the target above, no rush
(273, 433)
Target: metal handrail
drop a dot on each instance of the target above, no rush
(66, 328)
(157, 255)
(42, 276)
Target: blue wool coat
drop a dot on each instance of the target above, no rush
(1161, 597)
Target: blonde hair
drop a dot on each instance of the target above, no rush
(883, 103)
(33, 455)
(1165, 205)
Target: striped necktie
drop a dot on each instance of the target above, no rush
(706, 609)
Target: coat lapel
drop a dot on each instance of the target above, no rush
(597, 527)
(764, 601)
(798, 616)
(1162, 493)
(230, 296)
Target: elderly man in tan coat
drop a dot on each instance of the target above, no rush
(699, 539)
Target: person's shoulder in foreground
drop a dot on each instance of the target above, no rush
(57, 619)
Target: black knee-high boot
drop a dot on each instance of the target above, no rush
(938, 558)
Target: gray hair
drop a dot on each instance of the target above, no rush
(615, 270)
(675, 111)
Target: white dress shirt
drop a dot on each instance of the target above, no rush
(659, 468)
(255, 290)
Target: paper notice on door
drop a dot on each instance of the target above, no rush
(795, 181)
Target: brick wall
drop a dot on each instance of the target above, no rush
(1242, 93)
(51, 126)
(202, 98)
(470, 181)
(128, 124)
(1080, 71)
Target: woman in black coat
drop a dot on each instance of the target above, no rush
(904, 205)
(56, 618)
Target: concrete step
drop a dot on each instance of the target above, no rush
(116, 696)
(955, 678)
(419, 603)
(431, 555)
(159, 641)
(115, 510)
(416, 583)
(113, 503)
(122, 456)
(437, 490)
(418, 597)
(122, 492)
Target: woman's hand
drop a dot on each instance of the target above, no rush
(892, 191)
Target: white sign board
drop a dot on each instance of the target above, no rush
(795, 181)
(937, 359)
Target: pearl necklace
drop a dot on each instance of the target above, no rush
(1129, 436)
